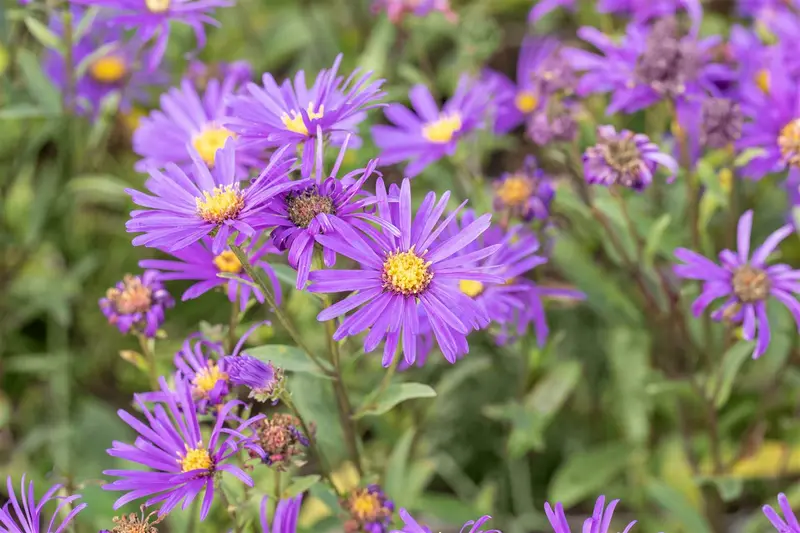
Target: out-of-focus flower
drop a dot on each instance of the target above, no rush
(282, 439)
(599, 522)
(745, 282)
(525, 194)
(200, 73)
(151, 19)
(398, 274)
(135, 524)
(625, 158)
(183, 462)
(553, 122)
(205, 374)
(644, 10)
(787, 524)
(197, 262)
(137, 303)
(369, 509)
(397, 9)
(24, 513)
(188, 119)
(114, 70)
(182, 211)
(307, 211)
(721, 122)
(285, 518)
(410, 525)
(293, 115)
(428, 134)
(543, 7)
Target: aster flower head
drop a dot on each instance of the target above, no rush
(285, 518)
(599, 522)
(309, 209)
(626, 158)
(787, 524)
(397, 9)
(293, 115)
(427, 134)
(182, 210)
(410, 525)
(263, 379)
(137, 303)
(555, 121)
(197, 262)
(200, 364)
(721, 122)
(187, 118)
(282, 439)
(183, 463)
(745, 281)
(398, 275)
(24, 513)
(369, 509)
(525, 194)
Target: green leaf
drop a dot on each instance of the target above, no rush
(393, 395)
(376, 51)
(300, 485)
(285, 274)
(654, 236)
(748, 155)
(721, 383)
(99, 188)
(461, 372)
(676, 506)
(448, 509)
(628, 352)
(23, 110)
(39, 86)
(42, 33)
(316, 403)
(288, 358)
(85, 24)
(396, 468)
(585, 474)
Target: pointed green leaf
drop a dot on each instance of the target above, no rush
(300, 485)
(288, 358)
(678, 507)
(395, 394)
(43, 34)
(397, 468)
(587, 473)
(720, 385)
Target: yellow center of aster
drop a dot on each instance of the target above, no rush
(135, 297)
(515, 190)
(108, 69)
(295, 122)
(205, 380)
(406, 273)
(195, 459)
(228, 262)
(526, 101)
(221, 204)
(470, 287)
(763, 80)
(789, 142)
(208, 141)
(157, 6)
(441, 130)
(365, 505)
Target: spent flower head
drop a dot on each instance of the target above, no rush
(282, 439)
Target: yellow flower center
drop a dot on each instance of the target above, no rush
(526, 101)
(157, 6)
(208, 141)
(195, 459)
(406, 273)
(205, 380)
(108, 69)
(515, 190)
(441, 130)
(789, 142)
(228, 262)
(763, 80)
(131, 119)
(365, 505)
(470, 287)
(133, 298)
(295, 122)
(221, 204)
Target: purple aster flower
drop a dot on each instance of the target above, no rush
(644, 10)
(745, 282)
(188, 119)
(787, 524)
(400, 274)
(198, 263)
(397, 9)
(293, 115)
(543, 7)
(555, 121)
(599, 522)
(16, 518)
(370, 510)
(721, 122)
(137, 303)
(181, 211)
(205, 374)
(525, 194)
(183, 463)
(649, 64)
(410, 525)
(113, 71)
(151, 18)
(428, 134)
(625, 158)
(307, 211)
(261, 378)
(285, 518)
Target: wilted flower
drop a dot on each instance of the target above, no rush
(263, 379)
(137, 303)
(292, 114)
(745, 282)
(396, 9)
(205, 374)
(625, 158)
(182, 211)
(411, 526)
(599, 522)
(525, 194)
(429, 134)
(721, 122)
(135, 524)
(370, 511)
(789, 523)
(282, 439)
(285, 518)
(27, 517)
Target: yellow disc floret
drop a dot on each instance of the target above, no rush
(789, 143)
(221, 204)
(406, 273)
(108, 69)
(205, 380)
(526, 101)
(295, 122)
(365, 505)
(135, 297)
(157, 6)
(443, 129)
(515, 190)
(208, 141)
(470, 287)
(195, 459)
(763, 80)
(228, 262)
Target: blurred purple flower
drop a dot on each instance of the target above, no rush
(525, 194)
(644, 10)
(369, 509)
(745, 281)
(137, 303)
(285, 518)
(410, 525)
(397, 9)
(15, 518)
(555, 121)
(543, 7)
(238, 72)
(789, 523)
(599, 522)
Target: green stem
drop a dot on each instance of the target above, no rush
(150, 356)
(277, 489)
(231, 509)
(233, 322)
